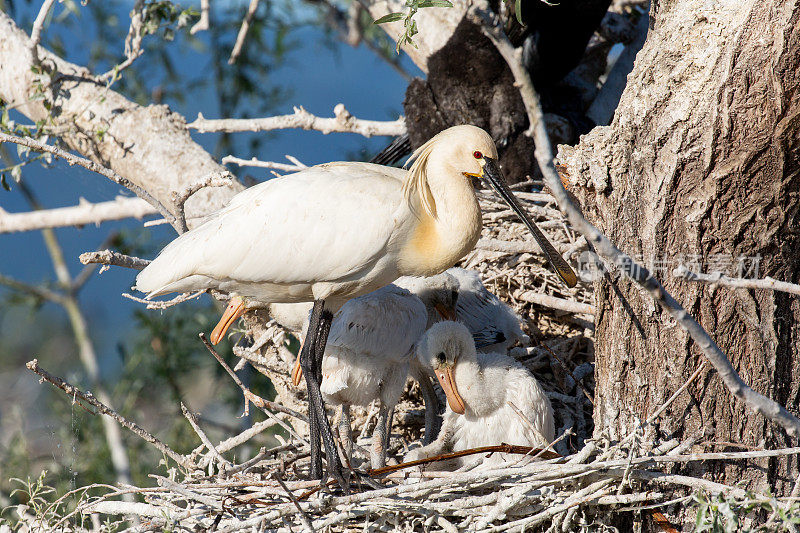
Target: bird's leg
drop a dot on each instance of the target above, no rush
(389, 429)
(433, 420)
(377, 450)
(319, 326)
(346, 432)
(307, 358)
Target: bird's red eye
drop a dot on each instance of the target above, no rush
(477, 155)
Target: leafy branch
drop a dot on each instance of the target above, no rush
(408, 19)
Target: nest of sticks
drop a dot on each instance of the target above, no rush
(581, 481)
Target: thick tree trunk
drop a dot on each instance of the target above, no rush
(701, 164)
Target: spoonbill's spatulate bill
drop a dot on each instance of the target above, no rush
(492, 398)
(333, 232)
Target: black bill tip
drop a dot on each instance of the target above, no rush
(493, 176)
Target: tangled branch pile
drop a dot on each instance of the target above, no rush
(593, 481)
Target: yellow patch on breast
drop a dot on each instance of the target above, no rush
(426, 252)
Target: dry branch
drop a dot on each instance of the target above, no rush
(216, 179)
(759, 403)
(296, 165)
(553, 302)
(74, 393)
(240, 38)
(202, 24)
(36, 30)
(342, 122)
(718, 278)
(79, 215)
(72, 159)
(108, 257)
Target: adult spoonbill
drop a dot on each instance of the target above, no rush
(484, 392)
(336, 231)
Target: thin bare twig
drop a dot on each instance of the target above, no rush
(164, 304)
(203, 23)
(303, 515)
(74, 392)
(554, 302)
(342, 122)
(83, 276)
(216, 179)
(257, 400)
(223, 463)
(248, 17)
(133, 44)
(718, 278)
(36, 30)
(90, 165)
(296, 165)
(109, 257)
(491, 27)
(39, 292)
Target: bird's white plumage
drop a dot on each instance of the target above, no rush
(479, 309)
(487, 383)
(244, 247)
(369, 347)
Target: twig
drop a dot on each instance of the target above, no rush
(39, 292)
(202, 24)
(759, 403)
(216, 179)
(718, 278)
(257, 400)
(108, 257)
(74, 392)
(295, 167)
(36, 30)
(83, 276)
(578, 382)
(237, 47)
(133, 43)
(500, 448)
(343, 122)
(183, 297)
(554, 302)
(224, 463)
(303, 515)
(90, 165)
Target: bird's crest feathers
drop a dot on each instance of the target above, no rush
(416, 183)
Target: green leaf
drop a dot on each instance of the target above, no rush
(3, 182)
(438, 3)
(518, 11)
(391, 17)
(16, 172)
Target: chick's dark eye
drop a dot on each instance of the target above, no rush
(476, 154)
(440, 358)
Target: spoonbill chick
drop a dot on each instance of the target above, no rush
(335, 231)
(492, 399)
(494, 325)
(369, 348)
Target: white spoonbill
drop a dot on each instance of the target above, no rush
(483, 390)
(336, 231)
(494, 325)
(371, 342)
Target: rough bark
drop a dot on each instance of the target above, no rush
(702, 160)
(148, 145)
